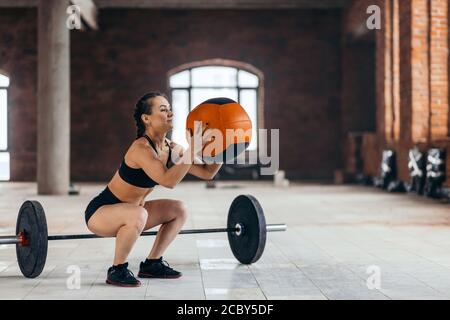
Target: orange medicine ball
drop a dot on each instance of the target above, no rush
(233, 128)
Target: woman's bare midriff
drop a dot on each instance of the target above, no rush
(126, 192)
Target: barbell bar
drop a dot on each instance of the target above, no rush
(20, 239)
(246, 229)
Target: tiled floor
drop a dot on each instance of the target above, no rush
(343, 242)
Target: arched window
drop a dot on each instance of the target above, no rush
(4, 154)
(192, 84)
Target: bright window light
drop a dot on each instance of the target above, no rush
(4, 81)
(248, 102)
(180, 80)
(214, 77)
(3, 120)
(200, 95)
(180, 106)
(4, 166)
(247, 79)
(4, 155)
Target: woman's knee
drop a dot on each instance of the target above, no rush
(180, 210)
(137, 218)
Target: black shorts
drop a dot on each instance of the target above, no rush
(104, 198)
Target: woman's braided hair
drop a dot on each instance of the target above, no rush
(144, 106)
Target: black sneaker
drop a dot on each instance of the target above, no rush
(120, 276)
(157, 268)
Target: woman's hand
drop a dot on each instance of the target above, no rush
(197, 141)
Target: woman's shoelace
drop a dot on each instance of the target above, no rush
(128, 273)
(166, 264)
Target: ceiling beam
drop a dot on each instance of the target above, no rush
(200, 4)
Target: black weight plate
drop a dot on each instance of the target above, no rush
(32, 221)
(249, 245)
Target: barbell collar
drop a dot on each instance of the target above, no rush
(276, 227)
(9, 240)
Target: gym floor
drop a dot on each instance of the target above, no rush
(338, 238)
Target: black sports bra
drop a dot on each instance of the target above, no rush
(138, 177)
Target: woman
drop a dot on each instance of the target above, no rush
(121, 210)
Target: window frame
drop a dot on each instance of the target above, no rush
(7, 149)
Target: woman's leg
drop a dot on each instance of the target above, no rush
(124, 221)
(172, 215)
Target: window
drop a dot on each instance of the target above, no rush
(192, 86)
(4, 154)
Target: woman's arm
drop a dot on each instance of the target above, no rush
(157, 171)
(198, 169)
(205, 171)
(147, 159)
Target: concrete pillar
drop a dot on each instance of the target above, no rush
(53, 109)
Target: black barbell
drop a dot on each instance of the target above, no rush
(246, 228)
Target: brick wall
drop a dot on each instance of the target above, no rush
(315, 73)
(402, 137)
(439, 127)
(383, 78)
(398, 90)
(412, 77)
(298, 51)
(411, 74)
